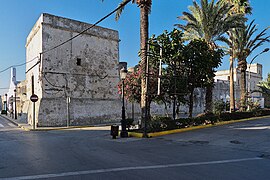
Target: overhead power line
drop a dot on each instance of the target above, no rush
(61, 44)
(17, 65)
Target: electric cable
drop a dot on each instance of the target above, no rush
(61, 44)
(18, 65)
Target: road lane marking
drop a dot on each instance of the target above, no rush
(12, 125)
(1, 125)
(77, 173)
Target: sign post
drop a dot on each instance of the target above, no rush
(34, 99)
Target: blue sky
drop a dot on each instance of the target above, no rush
(17, 18)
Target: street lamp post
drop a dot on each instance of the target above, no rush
(15, 108)
(249, 73)
(124, 133)
(6, 104)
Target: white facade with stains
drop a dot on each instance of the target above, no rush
(83, 70)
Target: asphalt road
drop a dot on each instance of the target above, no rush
(236, 151)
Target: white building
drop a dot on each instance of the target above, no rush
(76, 80)
(253, 77)
(10, 92)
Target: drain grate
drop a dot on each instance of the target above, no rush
(199, 142)
(236, 142)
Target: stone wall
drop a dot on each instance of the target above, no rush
(83, 70)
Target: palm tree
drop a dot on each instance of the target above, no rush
(145, 8)
(264, 87)
(239, 7)
(246, 42)
(209, 21)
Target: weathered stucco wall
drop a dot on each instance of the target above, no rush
(33, 48)
(84, 69)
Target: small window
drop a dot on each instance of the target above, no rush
(228, 78)
(79, 62)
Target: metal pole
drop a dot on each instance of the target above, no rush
(68, 115)
(160, 72)
(174, 93)
(15, 108)
(6, 104)
(123, 121)
(34, 116)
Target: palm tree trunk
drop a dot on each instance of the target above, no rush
(242, 65)
(243, 89)
(232, 96)
(143, 44)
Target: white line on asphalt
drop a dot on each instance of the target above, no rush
(11, 125)
(42, 176)
(1, 125)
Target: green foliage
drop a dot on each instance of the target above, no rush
(264, 87)
(253, 106)
(219, 107)
(158, 123)
(239, 6)
(186, 68)
(209, 21)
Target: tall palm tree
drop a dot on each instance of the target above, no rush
(145, 8)
(246, 42)
(239, 7)
(209, 21)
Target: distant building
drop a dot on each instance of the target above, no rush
(222, 84)
(9, 95)
(77, 80)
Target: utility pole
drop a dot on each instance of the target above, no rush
(67, 103)
(15, 107)
(160, 71)
(34, 111)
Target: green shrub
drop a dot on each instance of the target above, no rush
(160, 123)
(219, 106)
(3, 112)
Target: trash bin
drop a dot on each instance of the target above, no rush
(114, 131)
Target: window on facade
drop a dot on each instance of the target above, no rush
(228, 78)
(79, 62)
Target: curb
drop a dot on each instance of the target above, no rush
(24, 126)
(175, 131)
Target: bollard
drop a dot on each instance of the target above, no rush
(114, 131)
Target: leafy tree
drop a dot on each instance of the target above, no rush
(199, 62)
(209, 21)
(246, 41)
(171, 45)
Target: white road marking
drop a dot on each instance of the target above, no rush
(42, 176)
(255, 128)
(1, 125)
(12, 125)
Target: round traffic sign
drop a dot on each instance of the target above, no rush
(34, 98)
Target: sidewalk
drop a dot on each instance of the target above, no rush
(28, 127)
